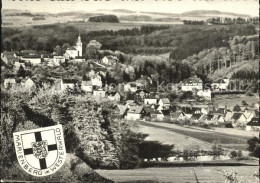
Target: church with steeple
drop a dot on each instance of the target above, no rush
(74, 51)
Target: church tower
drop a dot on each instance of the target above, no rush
(79, 46)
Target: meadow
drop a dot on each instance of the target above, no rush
(195, 136)
(180, 174)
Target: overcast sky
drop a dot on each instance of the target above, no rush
(248, 7)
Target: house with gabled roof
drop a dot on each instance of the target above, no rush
(114, 96)
(148, 110)
(164, 103)
(122, 110)
(9, 57)
(179, 115)
(109, 60)
(197, 117)
(249, 114)
(209, 119)
(253, 125)
(238, 120)
(68, 83)
(135, 113)
(28, 83)
(228, 116)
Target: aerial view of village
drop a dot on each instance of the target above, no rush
(143, 93)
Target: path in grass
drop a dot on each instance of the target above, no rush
(227, 140)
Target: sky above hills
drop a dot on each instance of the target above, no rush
(248, 7)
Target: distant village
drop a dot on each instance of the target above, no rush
(141, 102)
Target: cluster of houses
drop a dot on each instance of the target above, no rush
(33, 57)
(144, 104)
(154, 109)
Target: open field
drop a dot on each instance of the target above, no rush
(165, 132)
(232, 100)
(180, 174)
(167, 137)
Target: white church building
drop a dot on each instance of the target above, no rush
(74, 51)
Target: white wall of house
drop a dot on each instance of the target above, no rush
(72, 53)
(96, 81)
(99, 94)
(87, 88)
(190, 87)
(150, 101)
(33, 61)
(205, 94)
(133, 116)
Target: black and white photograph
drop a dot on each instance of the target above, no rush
(126, 91)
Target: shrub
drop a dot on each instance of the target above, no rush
(216, 149)
(233, 154)
(191, 152)
(254, 146)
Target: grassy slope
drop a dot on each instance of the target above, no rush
(227, 140)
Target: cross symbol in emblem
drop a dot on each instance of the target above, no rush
(29, 151)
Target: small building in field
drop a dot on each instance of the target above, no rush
(253, 125)
(135, 113)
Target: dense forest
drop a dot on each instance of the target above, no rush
(239, 49)
(104, 18)
(181, 40)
